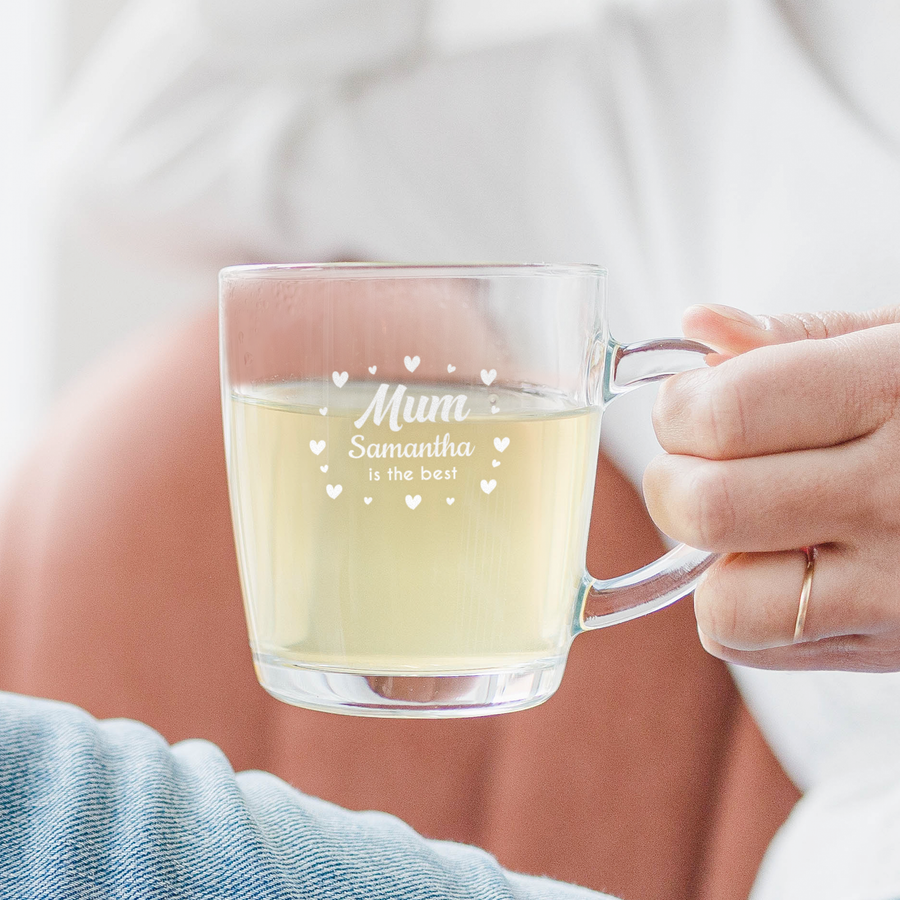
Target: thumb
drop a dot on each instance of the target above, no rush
(731, 331)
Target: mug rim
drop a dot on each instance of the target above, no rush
(409, 270)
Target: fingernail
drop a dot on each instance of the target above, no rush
(704, 638)
(711, 646)
(736, 315)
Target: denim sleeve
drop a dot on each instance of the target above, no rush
(108, 810)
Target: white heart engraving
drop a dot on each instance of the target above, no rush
(373, 370)
(367, 500)
(501, 444)
(450, 501)
(323, 410)
(495, 463)
(495, 410)
(488, 377)
(488, 486)
(451, 368)
(339, 378)
(317, 446)
(413, 502)
(333, 490)
(323, 468)
(411, 364)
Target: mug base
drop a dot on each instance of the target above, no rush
(432, 696)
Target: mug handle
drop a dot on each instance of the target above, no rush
(608, 601)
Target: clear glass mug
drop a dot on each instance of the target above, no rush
(411, 456)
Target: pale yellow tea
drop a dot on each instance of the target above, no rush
(389, 528)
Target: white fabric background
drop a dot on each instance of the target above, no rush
(26, 71)
(70, 295)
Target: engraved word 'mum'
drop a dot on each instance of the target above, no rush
(427, 409)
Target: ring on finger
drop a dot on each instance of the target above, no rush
(805, 591)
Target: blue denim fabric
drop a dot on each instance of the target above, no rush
(108, 810)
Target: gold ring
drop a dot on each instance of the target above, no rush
(811, 554)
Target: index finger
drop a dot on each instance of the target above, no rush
(782, 398)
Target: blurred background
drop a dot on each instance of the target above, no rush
(69, 296)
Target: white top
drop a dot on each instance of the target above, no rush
(744, 152)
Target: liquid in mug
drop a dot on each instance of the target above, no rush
(444, 547)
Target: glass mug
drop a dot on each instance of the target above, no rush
(411, 457)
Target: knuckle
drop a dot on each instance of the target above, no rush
(867, 387)
(730, 613)
(873, 376)
(702, 413)
(670, 412)
(716, 607)
(872, 502)
(691, 501)
(863, 484)
(664, 495)
(716, 421)
(728, 421)
(862, 504)
(813, 326)
(714, 516)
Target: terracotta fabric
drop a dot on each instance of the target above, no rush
(644, 776)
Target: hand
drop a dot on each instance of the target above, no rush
(791, 439)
